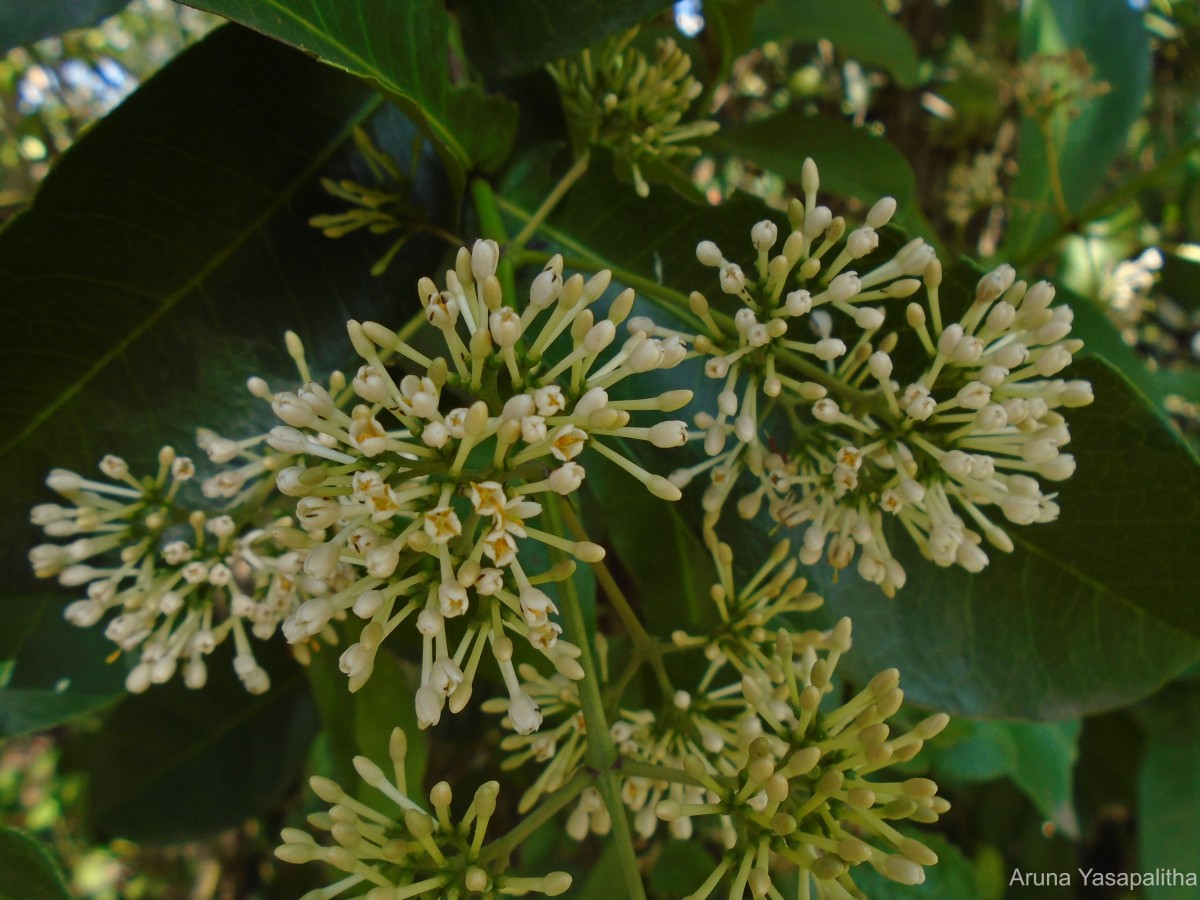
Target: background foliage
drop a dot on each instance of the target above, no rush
(167, 247)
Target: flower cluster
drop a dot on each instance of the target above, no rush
(426, 486)
(405, 850)
(180, 581)
(618, 97)
(754, 743)
(963, 416)
(800, 794)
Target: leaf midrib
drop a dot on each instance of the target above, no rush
(169, 302)
(374, 72)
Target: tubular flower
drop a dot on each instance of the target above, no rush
(180, 581)
(744, 638)
(429, 486)
(404, 849)
(614, 95)
(800, 795)
(967, 416)
(561, 745)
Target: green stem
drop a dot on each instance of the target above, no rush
(616, 689)
(610, 789)
(636, 769)
(1111, 201)
(646, 644)
(601, 753)
(1053, 169)
(490, 221)
(572, 175)
(492, 225)
(538, 816)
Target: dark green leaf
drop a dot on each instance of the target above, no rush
(175, 764)
(1169, 789)
(673, 570)
(401, 48)
(1039, 757)
(56, 670)
(28, 869)
(680, 869)
(505, 39)
(1111, 34)
(22, 22)
(600, 880)
(852, 161)
(858, 28)
(383, 703)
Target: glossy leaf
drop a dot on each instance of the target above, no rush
(1088, 613)
(858, 28)
(401, 48)
(175, 764)
(680, 869)
(1039, 757)
(521, 35)
(1111, 34)
(852, 161)
(30, 873)
(1169, 788)
(361, 723)
(673, 571)
(384, 703)
(55, 671)
(22, 22)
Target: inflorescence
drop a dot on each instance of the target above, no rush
(932, 430)
(427, 484)
(618, 97)
(405, 849)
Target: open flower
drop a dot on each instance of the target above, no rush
(432, 483)
(964, 416)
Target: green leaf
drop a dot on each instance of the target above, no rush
(56, 670)
(859, 28)
(680, 869)
(603, 876)
(1169, 788)
(1039, 757)
(361, 723)
(521, 35)
(1111, 34)
(852, 161)
(30, 873)
(176, 764)
(22, 22)
(383, 703)
(401, 48)
(673, 571)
